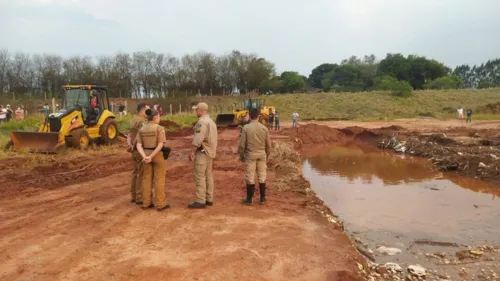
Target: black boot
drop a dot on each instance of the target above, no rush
(250, 192)
(262, 187)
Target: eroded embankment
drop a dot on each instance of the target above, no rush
(465, 151)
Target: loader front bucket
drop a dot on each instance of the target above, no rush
(225, 120)
(36, 141)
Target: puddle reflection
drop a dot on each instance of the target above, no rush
(382, 194)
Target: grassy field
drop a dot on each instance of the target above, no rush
(356, 106)
(381, 105)
(359, 106)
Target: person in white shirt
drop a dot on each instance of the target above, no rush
(460, 112)
(295, 119)
(3, 114)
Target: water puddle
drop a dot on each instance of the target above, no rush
(395, 200)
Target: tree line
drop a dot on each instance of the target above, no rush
(149, 74)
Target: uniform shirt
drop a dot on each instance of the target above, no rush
(150, 135)
(205, 135)
(295, 116)
(255, 142)
(469, 111)
(136, 125)
(243, 125)
(276, 116)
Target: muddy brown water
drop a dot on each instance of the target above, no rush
(392, 200)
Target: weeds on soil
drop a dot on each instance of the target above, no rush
(287, 168)
(29, 123)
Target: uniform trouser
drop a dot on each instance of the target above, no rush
(276, 125)
(294, 123)
(252, 165)
(135, 186)
(203, 177)
(154, 175)
(469, 118)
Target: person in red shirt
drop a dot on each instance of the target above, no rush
(93, 102)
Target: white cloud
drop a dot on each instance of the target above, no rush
(295, 34)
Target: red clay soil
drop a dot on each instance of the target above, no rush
(169, 124)
(180, 133)
(73, 220)
(314, 134)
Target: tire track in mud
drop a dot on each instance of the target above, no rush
(55, 175)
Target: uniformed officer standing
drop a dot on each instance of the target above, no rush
(203, 154)
(150, 141)
(254, 149)
(138, 121)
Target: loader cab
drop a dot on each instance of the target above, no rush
(90, 100)
(251, 104)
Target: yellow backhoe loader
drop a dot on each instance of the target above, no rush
(84, 117)
(235, 118)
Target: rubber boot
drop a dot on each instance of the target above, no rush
(250, 192)
(262, 187)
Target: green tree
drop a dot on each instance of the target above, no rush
(397, 87)
(485, 84)
(316, 76)
(395, 65)
(293, 81)
(258, 71)
(402, 89)
(274, 84)
(444, 83)
(346, 78)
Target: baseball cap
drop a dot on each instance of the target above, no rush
(201, 105)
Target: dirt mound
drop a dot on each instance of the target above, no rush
(366, 136)
(181, 133)
(492, 108)
(352, 131)
(169, 124)
(314, 134)
(392, 128)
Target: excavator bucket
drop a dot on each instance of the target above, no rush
(225, 120)
(36, 141)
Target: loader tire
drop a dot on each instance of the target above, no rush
(264, 120)
(80, 139)
(109, 131)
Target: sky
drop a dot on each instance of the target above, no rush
(296, 35)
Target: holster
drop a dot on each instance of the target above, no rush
(166, 152)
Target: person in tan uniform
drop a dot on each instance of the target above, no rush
(254, 149)
(137, 123)
(150, 141)
(203, 154)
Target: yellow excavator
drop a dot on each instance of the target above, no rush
(236, 118)
(84, 118)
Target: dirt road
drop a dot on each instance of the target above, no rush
(72, 220)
